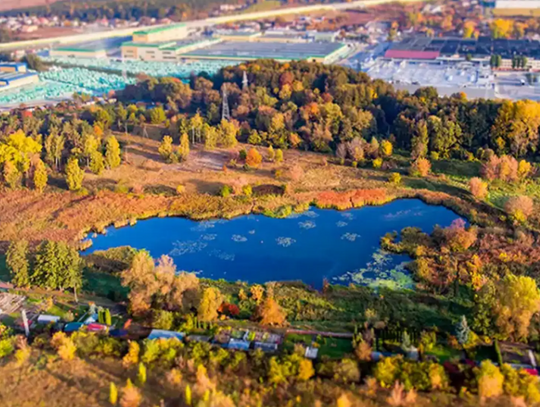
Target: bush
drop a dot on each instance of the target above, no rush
(420, 168)
(180, 189)
(225, 191)
(519, 207)
(490, 380)
(242, 154)
(478, 188)
(247, 190)
(395, 178)
(377, 163)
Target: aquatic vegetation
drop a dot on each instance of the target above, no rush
(351, 237)
(285, 241)
(307, 225)
(381, 272)
(189, 247)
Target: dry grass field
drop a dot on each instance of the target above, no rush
(6, 5)
(145, 186)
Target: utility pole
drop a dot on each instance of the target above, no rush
(225, 112)
(245, 83)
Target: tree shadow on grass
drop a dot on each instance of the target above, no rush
(206, 187)
(159, 190)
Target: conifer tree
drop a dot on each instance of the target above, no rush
(18, 264)
(463, 331)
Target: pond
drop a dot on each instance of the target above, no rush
(341, 246)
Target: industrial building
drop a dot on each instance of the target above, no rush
(91, 49)
(14, 75)
(161, 34)
(236, 35)
(456, 49)
(517, 4)
(20, 67)
(245, 51)
(167, 51)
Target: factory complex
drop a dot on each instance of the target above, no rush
(16, 74)
(475, 50)
(177, 43)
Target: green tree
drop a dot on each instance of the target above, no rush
(209, 304)
(112, 153)
(18, 264)
(463, 331)
(74, 175)
(40, 176)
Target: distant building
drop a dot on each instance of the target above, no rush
(517, 4)
(14, 75)
(460, 49)
(160, 34)
(168, 51)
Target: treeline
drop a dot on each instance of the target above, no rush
(315, 106)
(52, 265)
(91, 11)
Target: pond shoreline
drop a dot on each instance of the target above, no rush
(304, 201)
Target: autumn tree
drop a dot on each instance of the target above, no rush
(210, 302)
(97, 163)
(228, 130)
(12, 176)
(141, 281)
(183, 148)
(254, 158)
(166, 149)
(519, 207)
(271, 313)
(386, 148)
(74, 175)
(420, 167)
(157, 115)
(478, 188)
(40, 176)
(112, 153)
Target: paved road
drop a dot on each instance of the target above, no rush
(44, 42)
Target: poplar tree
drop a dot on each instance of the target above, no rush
(183, 149)
(112, 153)
(97, 163)
(40, 176)
(74, 175)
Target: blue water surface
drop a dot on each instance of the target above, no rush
(342, 246)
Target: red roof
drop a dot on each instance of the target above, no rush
(404, 54)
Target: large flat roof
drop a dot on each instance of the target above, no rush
(159, 29)
(481, 47)
(92, 46)
(256, 50)
(13, 76)
(164, 45)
